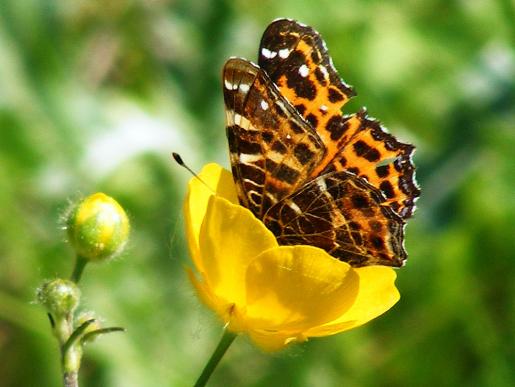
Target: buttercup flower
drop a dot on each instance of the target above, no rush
(275, 294)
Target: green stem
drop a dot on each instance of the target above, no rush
(225, 342)
(71, 365)
(71, 379)
(80, 264)
(71, 350)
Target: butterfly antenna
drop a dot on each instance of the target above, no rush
(178, 159)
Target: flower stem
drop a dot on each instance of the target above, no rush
(71, 350)
(71, 379)
(225, 342)
(80, 264)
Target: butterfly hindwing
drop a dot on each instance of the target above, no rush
(343, 215)
(373, 154)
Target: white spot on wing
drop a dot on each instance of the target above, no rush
(237, 119)
(228, 85)
(303, 71)
(294, 207)
(275, 156)
(267, 53)
(323, 108)
(244, 87)
(229, 117)
(264, 104)
(383, 129)
(272, 198)
(242, 122)
(321, 184)
(252, 182)
(324, 71)
(284, 53)
(246, 158)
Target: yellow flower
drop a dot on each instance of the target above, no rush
(275, 294)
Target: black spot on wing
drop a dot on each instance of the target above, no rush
(303, 153)
(336, 126)
(335, 95)
(311, 118)
(359, 201)
(382, 171)
(320, 77)
(362, 149)
(279, 147)
(285, 173)
(252, 173)
(248, 147)
(387, 188)
(377, 241)
(301, 108)
(267, 136)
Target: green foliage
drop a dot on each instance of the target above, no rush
(94, 96)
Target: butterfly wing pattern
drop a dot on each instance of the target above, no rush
(313, 175)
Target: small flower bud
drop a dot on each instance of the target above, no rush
(60, 297)
(98, 227)
(86, 316)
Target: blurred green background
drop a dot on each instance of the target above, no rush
(94, 96)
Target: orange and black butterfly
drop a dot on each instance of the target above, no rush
(311, 174)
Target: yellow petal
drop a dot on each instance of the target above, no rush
(273, 341)
(220, 183)
(222, 308)
(293, 288)
(230, 237)
(377, 293)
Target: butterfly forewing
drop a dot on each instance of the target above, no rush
(297, 60)
(272, 149)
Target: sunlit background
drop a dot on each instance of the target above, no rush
(95, 95)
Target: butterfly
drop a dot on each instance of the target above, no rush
(313, 175)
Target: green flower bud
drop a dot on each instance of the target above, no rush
(60, 297)
(98, 227)
(86, 316)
